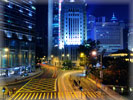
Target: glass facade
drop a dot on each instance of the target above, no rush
(109, 33)
(73, 24)
(17, 31)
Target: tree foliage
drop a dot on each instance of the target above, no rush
(87, 48)
(67, 63)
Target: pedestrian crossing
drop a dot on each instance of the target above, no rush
(54, 95)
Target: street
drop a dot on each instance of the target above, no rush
(59, 85)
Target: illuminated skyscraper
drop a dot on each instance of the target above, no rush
(17, 32)
(73, 28)
(73, 23)
(109, 33)
(70, 24)
(53, 26)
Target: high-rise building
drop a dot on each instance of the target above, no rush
(73, 28)
(69, 28)
(41, 32)
(53, 25)
(109, 33)
(17, 45)
(73, 23)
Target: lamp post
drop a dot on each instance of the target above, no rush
(94, 53)
(67, 56)
(52, 58)
(63, 56)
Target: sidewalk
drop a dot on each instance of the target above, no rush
(107, 90)
(4, 81)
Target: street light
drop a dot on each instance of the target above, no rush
(82, 54)
(6, 49)
(52, 58)
(67, 56)
(63, 55)
(94, 53)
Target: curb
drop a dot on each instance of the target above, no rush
(25, 79)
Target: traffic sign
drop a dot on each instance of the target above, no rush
(4, 89)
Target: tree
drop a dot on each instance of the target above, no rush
(68, 64)
(87, 48)
(117, 71)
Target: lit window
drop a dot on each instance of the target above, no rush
(34, 8)
(6, 0)
(30, 27)
(9, 21)
(20, 36)
(20, 10)
(8, 34)
(30, 2)
(30, 14)
(29, 37)
(9, 5)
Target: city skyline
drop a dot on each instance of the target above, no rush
(66, 50)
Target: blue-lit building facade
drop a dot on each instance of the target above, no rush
(17, 35)
(108, 32)
(69, 29)
(73, 29)
(53, 28)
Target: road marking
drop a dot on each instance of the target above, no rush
(47, 95)
(25, 96)
(32, 96)
(69, 95)
(76, 95)
(40, 95)
(72, 95)
(36, 95)
(51, 95)
(44, 85)
(62, 95)
(21, 96)
(55, 95)
(93, 94)
(24, 85)
(43, 95)
(65, 95)
(17, 96)
(90, 94)
(98, 94)
(59, 95)
(29, 96)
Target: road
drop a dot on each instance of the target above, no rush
(59, 85)
(42, 87)
(69, 91)
(65, 86)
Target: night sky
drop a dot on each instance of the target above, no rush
(98, 10)
(121, 11)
